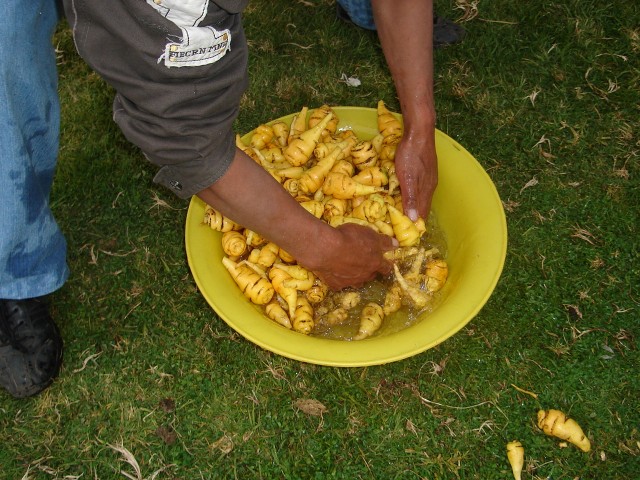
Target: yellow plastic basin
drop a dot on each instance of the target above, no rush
(470, 214)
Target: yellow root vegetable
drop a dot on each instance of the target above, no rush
(281, 174)
(251, 152)
(268, 255)
(392, 299)
(341, 186)
(419, 297)
(376, 141)
(364, 155)
(313, 178)
(345, 167)
(234, 243)
(394, 182)
(387, 154)
(436, 274)
(285, 256)
(292, 186)
(262, 135)
(372, 209)
(318, 114)
(401, 253)
(298, 124)
(322, 150)
(288, 294)
(337, 316)
(299, 150)
(273, 154)
(372, 176)
(406, 232)
(278, 314)
(280, 133)
(334, 207)
(556, 423)
(318, 292)
(348, 300)
(255, 287)
(388, 125)
(336, 221)
(254, 239)
(314, 207)
(219, 222)
(515, 455)
(370, 320)
(413, 274)
(384, 228)
(301, 278)
(302, 321)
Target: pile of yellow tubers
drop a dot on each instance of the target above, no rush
(338, 178)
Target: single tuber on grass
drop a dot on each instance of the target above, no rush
(555, 423)
(515, 455)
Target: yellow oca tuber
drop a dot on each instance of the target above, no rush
(234, 243)
(555, 423)
(515, 455)
(370, 320)
(407, 232)
(388, 125)
(254, 286)
(342, 186)
(300, 149)
(219, 222)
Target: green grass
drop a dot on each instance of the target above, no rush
(544, 94)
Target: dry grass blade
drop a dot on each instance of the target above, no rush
(470, 9)
(530, 183)
(130, 459)
(583, 234)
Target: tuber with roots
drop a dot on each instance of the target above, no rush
(339, 185)
(370, 320)
(555, 423)
(388, 125)
(234, 243)
(302, 320)
(515, 455)
(407, 232)
(300, 149)
(254, 286)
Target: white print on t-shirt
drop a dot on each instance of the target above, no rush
(198, 45)
(184, 13)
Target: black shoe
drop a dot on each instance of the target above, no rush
(30, 347)
(446, 32)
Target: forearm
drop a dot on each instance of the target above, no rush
(341, 257)
(405, 29)
(251, 197)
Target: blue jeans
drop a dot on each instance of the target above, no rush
(32, 247)
(360, 12)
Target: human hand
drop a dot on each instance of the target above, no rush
(352, 257)
(417, 171)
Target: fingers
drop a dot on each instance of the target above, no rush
(410, 202)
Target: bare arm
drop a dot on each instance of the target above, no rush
(405, 29)
(346, 256)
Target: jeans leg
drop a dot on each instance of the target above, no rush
(360, 12)
(32, 247)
